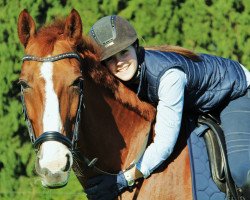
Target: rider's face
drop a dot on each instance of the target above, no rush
(123, 64)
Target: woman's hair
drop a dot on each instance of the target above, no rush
(176, 49)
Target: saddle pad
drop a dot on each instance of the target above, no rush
(203, 185)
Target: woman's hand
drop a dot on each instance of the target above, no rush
(105, 187)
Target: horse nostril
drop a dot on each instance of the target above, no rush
(45, 171)
(67, 163)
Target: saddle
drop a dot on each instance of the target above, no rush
(216, 148)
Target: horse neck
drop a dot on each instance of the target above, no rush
(110, 131)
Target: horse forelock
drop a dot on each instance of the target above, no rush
(45, 38)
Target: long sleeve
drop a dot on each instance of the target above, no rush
(168, 121)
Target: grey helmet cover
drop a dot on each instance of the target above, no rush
(112, 34)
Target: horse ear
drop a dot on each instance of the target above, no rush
(73, 26)
(26, 27)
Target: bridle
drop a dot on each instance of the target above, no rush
(53, 135)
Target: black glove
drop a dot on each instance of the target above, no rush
(105, 187)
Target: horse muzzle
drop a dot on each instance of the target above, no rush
(54, 159)
(54, 181)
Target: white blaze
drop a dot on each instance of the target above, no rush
(52, 153)
(51, 116)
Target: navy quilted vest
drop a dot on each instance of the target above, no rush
(210, 81)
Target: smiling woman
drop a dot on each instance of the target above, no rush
(123, 64)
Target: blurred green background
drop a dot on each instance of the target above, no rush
(210, 26)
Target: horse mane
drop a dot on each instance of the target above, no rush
(47, 36)
(176, 49)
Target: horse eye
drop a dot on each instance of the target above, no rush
(24, 84)
(77, 83)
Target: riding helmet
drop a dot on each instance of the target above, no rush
(112, 34)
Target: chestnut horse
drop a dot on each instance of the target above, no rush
(77, 111)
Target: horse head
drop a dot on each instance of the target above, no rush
(51, 87)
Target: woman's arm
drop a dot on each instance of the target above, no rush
(168, 122)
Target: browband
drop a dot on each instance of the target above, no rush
(52, 58)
